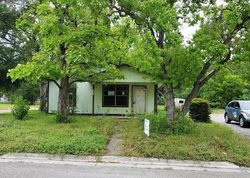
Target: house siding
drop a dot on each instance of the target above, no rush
(53, 97)
(89, 98)
(84, 98)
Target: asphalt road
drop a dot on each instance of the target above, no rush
(31, 170)
(233, 125)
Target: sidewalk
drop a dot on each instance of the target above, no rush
(126, 162)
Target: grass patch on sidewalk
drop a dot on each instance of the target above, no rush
(207, 142)
(85, 135)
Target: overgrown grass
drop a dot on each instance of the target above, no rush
(85, 135)
(89, 135)
(207, 142)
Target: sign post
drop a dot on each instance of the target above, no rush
(146, 126)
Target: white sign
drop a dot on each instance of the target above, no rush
(146, 127)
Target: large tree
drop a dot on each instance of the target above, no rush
(15, 46)
(223, 39)
(223, 30)
(226, 86)
(76, 43)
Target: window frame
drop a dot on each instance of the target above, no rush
(115, 95)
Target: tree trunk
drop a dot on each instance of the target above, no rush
(192, 94)
(63, 100)
(44, 96)
(201, 80)
(170, 105)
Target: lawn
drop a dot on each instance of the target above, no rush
(89, 135)
(7, 106)
(85, 135)
(208, 142)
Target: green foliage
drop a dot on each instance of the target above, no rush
(20, 109)
(15, 45)
(200, 110)
(84, 135)
(222, 38)
(224, 88)
(159, 124)
(77, 42)
(89, 43)
(29, 92)
(184, 125)
(96, 36)
(161, 100)
(60, 119)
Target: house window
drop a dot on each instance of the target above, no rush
(115, 95)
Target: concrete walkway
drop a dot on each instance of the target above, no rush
(219, 118)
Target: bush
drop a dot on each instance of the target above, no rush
(20, 108)
(159, 124)
(184, 125)
(200, 110)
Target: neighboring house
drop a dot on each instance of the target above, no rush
(135, 94)
(4, 99)
(179, 102)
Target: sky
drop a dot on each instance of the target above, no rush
(188, 31)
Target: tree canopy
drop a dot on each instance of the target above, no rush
(15, 46)
(76, 43)
(82, 40)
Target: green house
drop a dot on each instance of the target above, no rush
(135, 94)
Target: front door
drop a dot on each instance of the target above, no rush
(139, 99)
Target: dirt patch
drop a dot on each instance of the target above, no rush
(115, 142)
(114, 146)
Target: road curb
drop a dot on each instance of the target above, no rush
(116, 161)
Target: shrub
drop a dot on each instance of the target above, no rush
(20, 108)
(200, 110)
(184, 125)
(159, 124)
